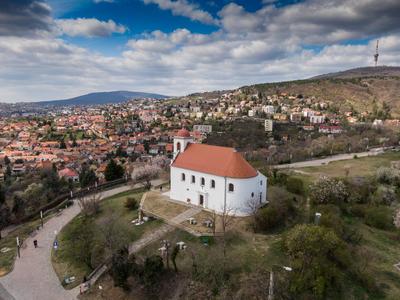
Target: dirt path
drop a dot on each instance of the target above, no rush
(148, 239)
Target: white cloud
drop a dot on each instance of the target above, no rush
(262, 46)
(315, 21)
(89, 27)
(51, 69)
(185, 9)
(99, 1)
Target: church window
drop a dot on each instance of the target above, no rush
(212, 183)
(231, 188)
(178, 146)
(202, 181)
(252, 195)
(193, 179)
(183, 177)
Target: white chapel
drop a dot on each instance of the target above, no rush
(214, 177)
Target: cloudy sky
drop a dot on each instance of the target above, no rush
(53, 49)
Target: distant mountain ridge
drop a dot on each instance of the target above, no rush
(101, 98)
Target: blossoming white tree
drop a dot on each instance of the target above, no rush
(328, 190)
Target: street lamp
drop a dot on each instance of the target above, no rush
(271, 280)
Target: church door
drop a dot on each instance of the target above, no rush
(201, 200)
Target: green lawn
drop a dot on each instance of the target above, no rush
(65, 266)
(384, 247)
(363, 166)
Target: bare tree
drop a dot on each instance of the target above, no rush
(227, 218)
(252, 207)
(113, 233)
(90, 205)
(145, 174)
(213, 217)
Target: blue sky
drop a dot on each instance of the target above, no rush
(52, 49)
(139, 18)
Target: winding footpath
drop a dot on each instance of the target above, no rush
(33, 276)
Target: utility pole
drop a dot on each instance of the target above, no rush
(271, 285)
(271, 280)
(376, 55)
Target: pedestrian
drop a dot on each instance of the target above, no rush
(160, 188)
(35, 243)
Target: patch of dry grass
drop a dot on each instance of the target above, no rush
(364, 166)
(161, 206)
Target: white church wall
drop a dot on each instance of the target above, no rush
(184, 190)
(246, 191)
(237, 201)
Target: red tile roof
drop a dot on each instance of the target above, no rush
(183, 133)
(216, 160)
(67, 172)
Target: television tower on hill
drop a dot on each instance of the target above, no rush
(376, 55)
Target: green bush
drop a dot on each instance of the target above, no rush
(360, 189)
(120, 268)
(316, 255)
(384, 195)
(295, 185)
(379, 217)
(358, 210)
(277, 213)
(131, 203)
(268, 218)
(152, 270)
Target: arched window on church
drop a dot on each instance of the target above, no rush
(212, 183)
(231, 188)
(193, 179)
(178, 146)
(183, 177)
(202, 181)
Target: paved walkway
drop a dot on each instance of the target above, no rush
(149, 238)
(33, 276)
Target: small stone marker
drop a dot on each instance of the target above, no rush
(69, 280)
(208, 223)
(181, 245)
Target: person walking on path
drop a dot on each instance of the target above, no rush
(35, 243)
